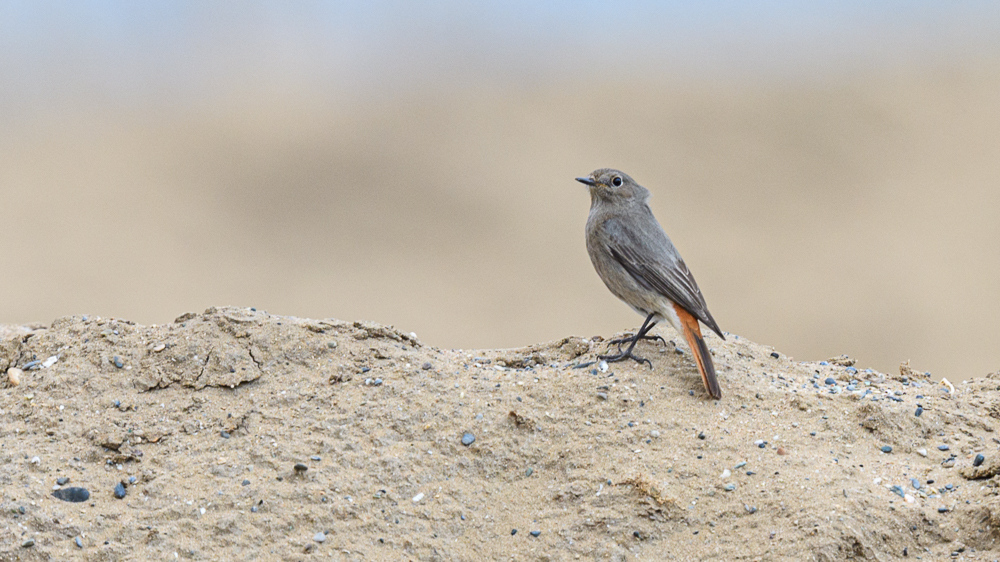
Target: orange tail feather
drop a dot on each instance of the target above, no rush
(692, 333)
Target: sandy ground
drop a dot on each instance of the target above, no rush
(240, 435)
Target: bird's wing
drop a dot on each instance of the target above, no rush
(651, 259)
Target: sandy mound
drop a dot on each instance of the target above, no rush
(239, 435)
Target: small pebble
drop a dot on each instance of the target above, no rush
(602, 395)
(316, 458)
(943, 447)
(886, 449)
(36, 460)
(319, 537)
(14, 376)
(50, 361)
(782, 451)
(942, 510)
(64, 480)
(513, 532)
(775, 354)
(300, 468)
(898, 491)
(529, 472)
(75, 495)
(132, 480)
(603, 366)
(79, 542)
(224, 434)
(948, 463)
(535, 533)
(468, 439)
(978, 460)
(918, 411)
(922, 452)
(28, 543)
(120, 490)
(427, 366)
(726, 473)
(246, 482)
(701, 435)
(729, 487)
(740, 465)
(418, 497)
(915, 483)
(118, 362)
(830, 381)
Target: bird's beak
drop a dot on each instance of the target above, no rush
(588, 181)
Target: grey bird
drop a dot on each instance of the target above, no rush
(639, 264)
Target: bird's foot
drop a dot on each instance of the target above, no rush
(625, 355)
(632, 338)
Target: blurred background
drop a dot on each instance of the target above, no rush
(829, 170)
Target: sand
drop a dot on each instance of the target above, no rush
(205, 420)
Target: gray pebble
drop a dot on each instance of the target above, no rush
(319, 537)
(535, 533)
(942, 510)
(62, 481)
(246, 482)
(830, 381)
(529, 472)
(120, 490)
(915, 483)
(898, 491)
(315, 458)
(468, 439)
(79, 542)
(300, 468)
(978, 460)
(918, 411)
(886, 449)
(75, 495)
(427, 366)
(28, 543)
(943, 447)
(224, 434)
(132, 479)
(729, 487)
(602, 395)
(118, 362)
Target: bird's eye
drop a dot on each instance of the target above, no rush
(617, 182)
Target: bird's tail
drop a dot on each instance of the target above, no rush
(692, 333)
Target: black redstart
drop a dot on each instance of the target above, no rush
(640, 265)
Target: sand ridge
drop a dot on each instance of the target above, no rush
(242, 435)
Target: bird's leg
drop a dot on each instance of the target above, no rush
(627, 354)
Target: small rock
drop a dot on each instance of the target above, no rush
(50, 361)
(14, 376)
(918, 411)
(701, 435)
(316, 458)
(654, 434)
(886, 449)
(120, 490)
(468, 439)
(898, 491)
(319, 537)
(782, 451)
(602, 395)
(427, 366)
(740, 465)
(79, 542)
(118, 362)
(36, 460)
(922, 452)
(915, 483)
(159, 347)
(830, 381)
(948, 463)
(535, 533)
(28, 543)
(75, 495)
(246, 483)
(729, 487)
(726, 474)
(943, 447)
(775, 354)
(513, 532)
(978, 460)
(300, 468)
(64, 480)
(224, 434)
(418, 497)
(603, 366)
(942, 510)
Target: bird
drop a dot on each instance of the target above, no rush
(640, 265)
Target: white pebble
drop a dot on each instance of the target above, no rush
(603, 366)
(922, 452)
(50, 361)
(418, 497)
(36, 460)
(14, 376)
(319, 537)
(726, 473)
